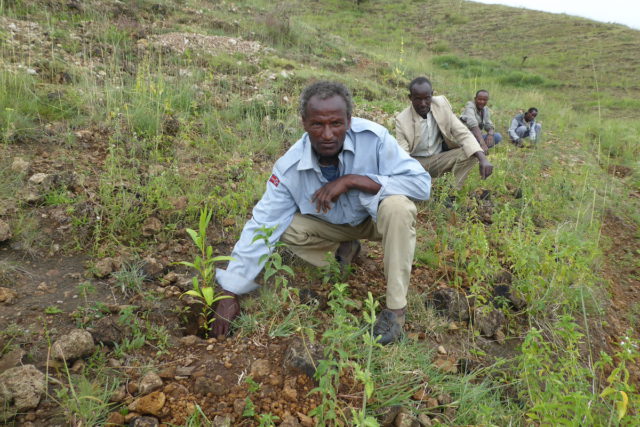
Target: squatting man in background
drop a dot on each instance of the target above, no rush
(429, 125)
(524, 125)
(477, 117)
(345, 179)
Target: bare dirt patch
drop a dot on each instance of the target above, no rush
(622, 270)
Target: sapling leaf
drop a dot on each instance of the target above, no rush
(193, 294)
(223, 258)
(194, 235)
(207, 293)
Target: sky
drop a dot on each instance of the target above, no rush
(625, 12)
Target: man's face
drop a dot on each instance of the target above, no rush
(481, 100)
(327, 123)
(420, 97)
(530, 115)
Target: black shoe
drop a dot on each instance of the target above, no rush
(388, 327)
(347, 252)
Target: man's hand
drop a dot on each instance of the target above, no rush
(330, 192)
(226, 310)
(486, 168)
(490, 142)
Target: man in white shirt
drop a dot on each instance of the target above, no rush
(345, 179)
(432, 134)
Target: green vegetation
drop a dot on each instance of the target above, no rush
(190, 134)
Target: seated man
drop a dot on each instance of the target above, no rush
(425, 127)
(524, 125)
(345, 179)
(477, 118)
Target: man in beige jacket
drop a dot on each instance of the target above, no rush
(432, 134)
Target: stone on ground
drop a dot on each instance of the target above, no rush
(5, 231)
(76, 344)
(20, 390)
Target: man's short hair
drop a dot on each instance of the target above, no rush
(418, 81)
(325, 90)
(532, 109)
(482, 91)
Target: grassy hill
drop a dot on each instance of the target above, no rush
(121, 121)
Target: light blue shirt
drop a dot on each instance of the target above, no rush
(368, 150)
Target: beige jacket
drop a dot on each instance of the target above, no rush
(455, 133)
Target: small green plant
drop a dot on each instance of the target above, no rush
(267, 420)
(273, 266)
(52, 309)
(364, 374)
(204, 263)
(197, 419)
(130, 278)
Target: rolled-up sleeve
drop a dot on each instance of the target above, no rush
(468, 117)
(512, 130)
(398, 174)
(275, 209)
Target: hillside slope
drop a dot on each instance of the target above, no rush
(121, 122)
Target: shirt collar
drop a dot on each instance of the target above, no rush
(309, 160)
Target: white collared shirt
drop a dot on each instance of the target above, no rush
(431, 138)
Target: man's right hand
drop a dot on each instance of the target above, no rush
(486, 168)
(226, 310)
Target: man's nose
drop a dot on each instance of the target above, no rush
(326, 132)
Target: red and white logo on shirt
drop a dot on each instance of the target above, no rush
(274, 180)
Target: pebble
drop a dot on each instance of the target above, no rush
(441, 350)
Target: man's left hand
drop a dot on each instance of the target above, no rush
(329, 193)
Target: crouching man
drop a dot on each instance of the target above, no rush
(345, 179)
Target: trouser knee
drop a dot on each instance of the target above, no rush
(399, 208)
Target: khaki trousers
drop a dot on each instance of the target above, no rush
(311, 238)
(454, 161)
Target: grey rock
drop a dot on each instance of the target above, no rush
(388, 415)
(149, 382)
(8, 296)
(424, 420)
(11, 359)
(144, 422)
(406, 419)
(221, 421)
(76, 344)
(151, 226)
(19, 165)
(290, 421)
(488, 322)
(260, 368)
(451, 303)
(109, 331)
(20, 389)
(5, 231)
(41, 179)
(302, 357)
(104, 267)
(205, 385)
(152, 267)
(190, 340)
